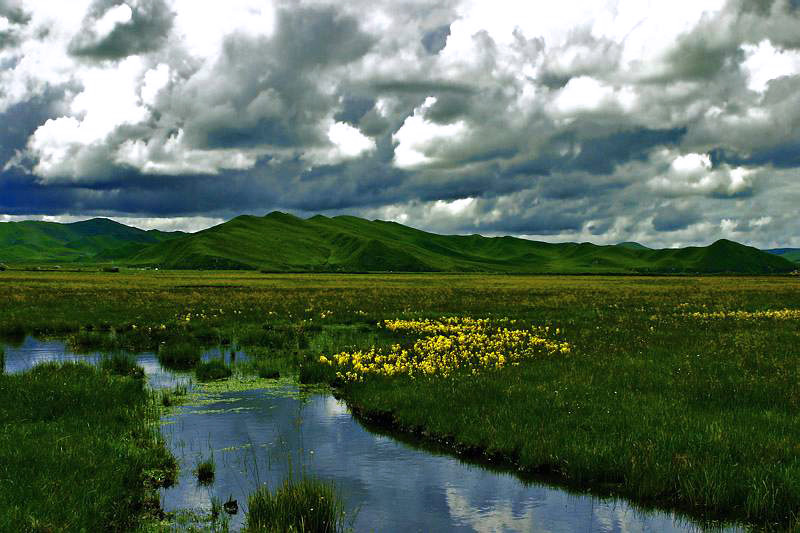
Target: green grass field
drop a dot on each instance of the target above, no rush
(666, 396)
(79, 450)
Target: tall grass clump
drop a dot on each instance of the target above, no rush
(205, 471)
(212, 370)
(122, 365)
(80, 450)
(180, 355)
(305, 506)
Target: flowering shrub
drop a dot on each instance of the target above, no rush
(446, 346)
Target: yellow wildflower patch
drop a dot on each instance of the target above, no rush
(778, 314)
(448, 345)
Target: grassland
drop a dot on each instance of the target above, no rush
(79, 450)
(660, 398)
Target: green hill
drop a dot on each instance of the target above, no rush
(633, 245)
(279, 242)
(89, 240)
(792, 254)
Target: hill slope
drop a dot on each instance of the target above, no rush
(98, 238)
(792, 254)
(280, 242)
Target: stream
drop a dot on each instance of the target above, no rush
(263, 435)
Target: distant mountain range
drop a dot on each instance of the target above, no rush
(279, 242)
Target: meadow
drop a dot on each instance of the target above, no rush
(677, 392)
(79, 449)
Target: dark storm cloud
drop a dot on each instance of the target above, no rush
(671, 219)
(599, 156)
(17, 17)
(435, 40)
(263, 91)
(19, 121)
(147, 30)
(674, 126)
(422, 87)
(353, 109)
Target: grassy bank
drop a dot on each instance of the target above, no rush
(79, 450)
(677, 392)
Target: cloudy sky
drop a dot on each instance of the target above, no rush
(668, 123)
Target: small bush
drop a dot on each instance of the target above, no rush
(179, 355)
(111, 269)
(211, 370)
(308, 505)
(205, 471)
(122, 365)
(3, 267)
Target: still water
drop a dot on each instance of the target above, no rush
(261, 436)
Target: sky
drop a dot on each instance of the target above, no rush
(668, 123)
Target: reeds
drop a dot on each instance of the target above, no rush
(307, 505)
(212, 370)
(205, 471)
(179, 355)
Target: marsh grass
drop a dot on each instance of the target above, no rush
(179, 355)
(212, 370)
(681, 413)
(79, 450)
(305, 505)
(205, 471)
(122, 365)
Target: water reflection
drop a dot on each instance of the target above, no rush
(258, 436)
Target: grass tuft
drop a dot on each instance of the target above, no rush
(305, 505)
(122, 365)
(180, 355)
(212, 370)
(206, 470)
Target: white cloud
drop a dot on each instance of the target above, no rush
(765, 63)
(119, 14)
(155, 80)
(174, 157)
(202, 25)
(418, 139)
(691, 174)
(349, 141)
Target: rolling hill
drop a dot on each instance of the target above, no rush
(792, 254)
(50, 242)
(280, 242)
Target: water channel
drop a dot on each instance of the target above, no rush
(262, 435)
